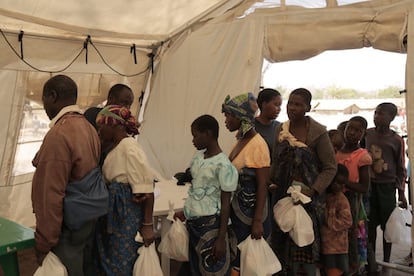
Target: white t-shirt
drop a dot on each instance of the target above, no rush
(127, 163)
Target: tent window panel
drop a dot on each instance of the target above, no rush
(34, 127)
(23, 158)
(307, 4)
(348, 2)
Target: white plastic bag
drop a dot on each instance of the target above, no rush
(293, 218)
(175, 242)
(398, 227)
(147, 262)
(296, 194)
(302, 233)
(281, 214)
(257, 258)
(51, 266)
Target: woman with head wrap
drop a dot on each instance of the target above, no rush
(302, 155)
(251, 157)
(131, 199)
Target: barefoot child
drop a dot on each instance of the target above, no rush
(207, 208)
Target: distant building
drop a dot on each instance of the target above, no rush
(351, 106)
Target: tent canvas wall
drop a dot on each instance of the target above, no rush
(190, 55)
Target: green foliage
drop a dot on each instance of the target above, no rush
(335, 92)
(389, 92)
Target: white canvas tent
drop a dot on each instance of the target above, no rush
(189, 56)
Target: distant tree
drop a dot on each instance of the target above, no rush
(318, 93)
(334, 92)
(389, 92)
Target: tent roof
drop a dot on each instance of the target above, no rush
(134, 20)
(143, 22)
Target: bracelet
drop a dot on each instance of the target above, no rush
(147, 223)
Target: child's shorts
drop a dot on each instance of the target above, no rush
(339, 261)
(382, 203)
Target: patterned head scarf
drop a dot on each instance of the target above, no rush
(243, 107)
(113, 115)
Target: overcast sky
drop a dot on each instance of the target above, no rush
(362, 69)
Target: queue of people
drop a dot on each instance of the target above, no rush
(350, 180)
(105, 243)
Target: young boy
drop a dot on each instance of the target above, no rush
(207, 208)
(334, 232)
(387, 173)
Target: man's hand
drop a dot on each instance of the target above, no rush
(402, 200)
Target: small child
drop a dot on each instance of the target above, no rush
(334, 231)
(207, 208)
(337, 139)
(341, 127)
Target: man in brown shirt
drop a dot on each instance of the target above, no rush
(70, 150)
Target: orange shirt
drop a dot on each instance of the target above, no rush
(255, 154)
(353, 161)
